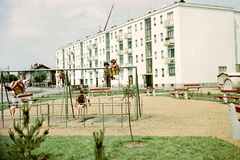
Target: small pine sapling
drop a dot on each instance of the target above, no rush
(28, 137)
(99, 148)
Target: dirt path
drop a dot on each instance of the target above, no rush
(162, 116)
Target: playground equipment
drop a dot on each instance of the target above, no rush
(136, 99)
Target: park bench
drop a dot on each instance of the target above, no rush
(100, 90)
(194, 86)
(150, 90)
(177, 93)
(225, 97)
(234, 121)
(29, 97)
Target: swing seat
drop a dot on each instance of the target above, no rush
(17, 90)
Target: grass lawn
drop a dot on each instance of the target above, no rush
(81, 147)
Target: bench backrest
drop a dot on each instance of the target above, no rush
(25, 95)
(237, 109)
(150, 88)
(180, 89)
(231, 91)
(97, 89)
(191, 85)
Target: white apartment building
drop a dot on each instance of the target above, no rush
(182, 43)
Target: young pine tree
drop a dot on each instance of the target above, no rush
(28, 137)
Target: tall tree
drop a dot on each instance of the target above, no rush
(39, 77)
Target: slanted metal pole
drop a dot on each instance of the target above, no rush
(66, 101)
(2, 98)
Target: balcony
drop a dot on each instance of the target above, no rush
(119, 38)
(169, 60)
(94, 45)
(120, 52)
(127, 35)
(128, 50)
(169, 42)
(168, 23)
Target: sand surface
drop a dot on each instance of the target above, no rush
(162, 116)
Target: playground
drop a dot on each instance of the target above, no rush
(161, 116)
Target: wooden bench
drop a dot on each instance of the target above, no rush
(100, 90)
(177, 93)
(195, 86)
(29, 96)
(150, 90)
(234, 121)
(225, 97)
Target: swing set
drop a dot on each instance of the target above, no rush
(66, 88)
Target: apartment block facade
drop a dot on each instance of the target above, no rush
(182, 43)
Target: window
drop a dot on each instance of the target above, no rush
(112, 49)
(90, 74)
(129, 44)
(136, 58)
(100, 64)
(149, 65)
(86, 81)
(115, 34)
(154, 21)
(222, 69)
(142, 57)
(148, 29)
(91, 81)
(161, 36)
(141, 42)
(96, 63)
(99, 39)
(141, 26)
(171, 53)
(90, 64)
(155, 55)
(103, 51)
(148, 49)
(170, 16)
(135, 27)
(103, 39)
(156, 72)
(160, 19)
(155, 38)
(162, 72)
(170, 34)
(111, 35)
(162, 54)
(171, 70)
(136, 42)
(116, 48)
(130, 61)
(121, 59)
(100, 52)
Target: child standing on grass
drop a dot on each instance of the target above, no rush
(80, 100)
(14, 104)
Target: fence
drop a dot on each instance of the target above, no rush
(102, 110)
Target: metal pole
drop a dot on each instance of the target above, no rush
(52, 107)
(40, 106)
(66, 101)
(142, 105)
(103, 113)
(62, 104)
(112, 105)
(99, 104)
(2, 98)
(84, 116)
(48, 114)
(37, 112)
(20, 117)
(121, 115)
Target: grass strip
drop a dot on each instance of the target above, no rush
(81, 147)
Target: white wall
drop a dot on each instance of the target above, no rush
(206, 42)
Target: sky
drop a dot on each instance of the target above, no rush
(31, 30)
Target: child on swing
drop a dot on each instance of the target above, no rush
(14, 104)
(19, 83)
(80, 100)
(61, 77)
